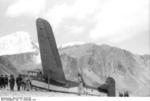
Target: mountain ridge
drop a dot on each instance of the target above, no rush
(107, 61)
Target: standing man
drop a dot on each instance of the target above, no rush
(28, 84)
(18, 82)
(12, 82)
(80, 87)
(2, 82)
(5, 81)
(23, 83)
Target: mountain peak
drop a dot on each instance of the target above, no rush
(19, 42)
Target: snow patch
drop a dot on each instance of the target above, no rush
(16, 43)
(70, 44)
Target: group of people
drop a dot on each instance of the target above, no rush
(124, 94)
(22, 83)
(3, 81)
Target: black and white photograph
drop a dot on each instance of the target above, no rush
(74, 48)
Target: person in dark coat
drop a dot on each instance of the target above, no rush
(12, 82)
(2, 81)
(108, 87)
(18, 82)
(6, 81)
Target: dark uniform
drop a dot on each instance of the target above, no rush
(108, 87)
(18, 82)
(6, 81)
(12, 82)
(2, 83)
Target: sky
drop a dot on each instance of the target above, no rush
(119, 23)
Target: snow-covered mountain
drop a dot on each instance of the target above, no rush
(21, 50)
(16, 43)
